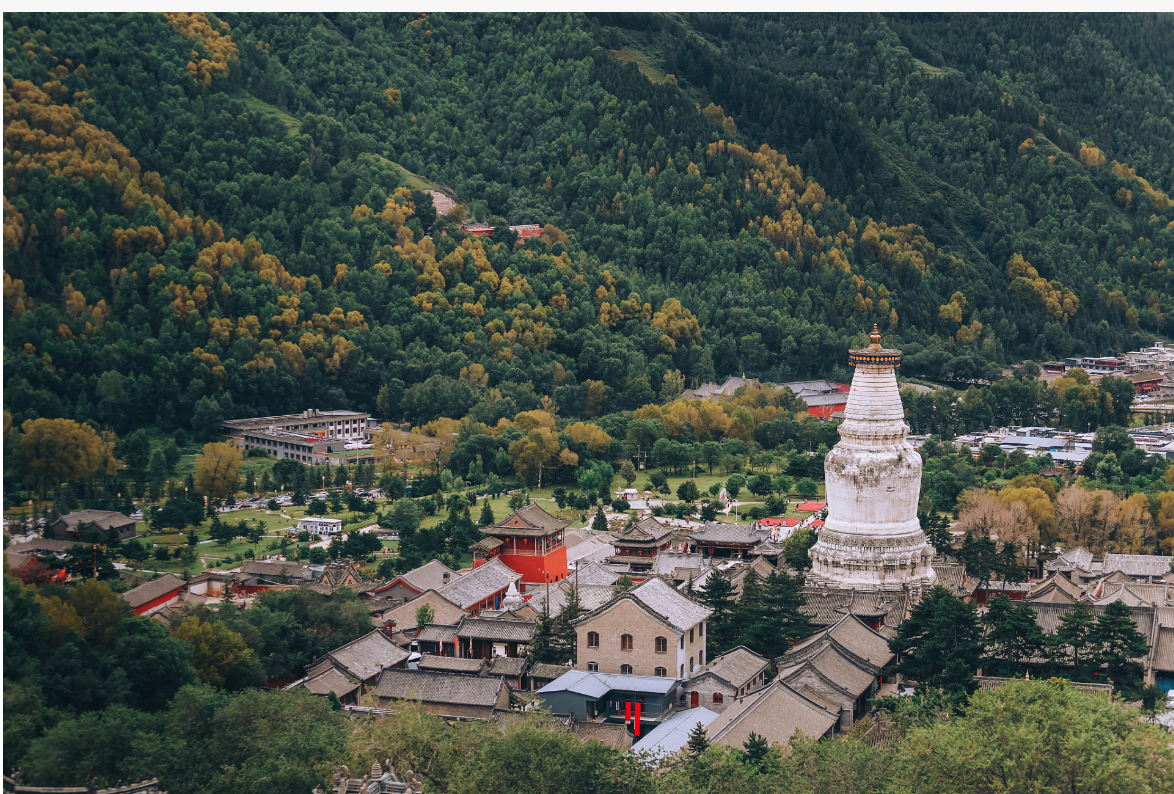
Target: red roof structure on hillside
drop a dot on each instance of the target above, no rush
(811, 507)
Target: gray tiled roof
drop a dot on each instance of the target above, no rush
(1138, 564)
(646, 531)
(479, 584)
(499, 630)
(271, 569)
(445, 688)
(437, 632)
(591, 596)
(366, 656)
(152, 590)
(717, 532)
(666, 563)
(1056, 588)
(777, 711)
(41, 547)
(430, 576)
(450, 664)
(825, 606)
(103, 519)
(737, 667)
(1078, 557)
(330, 680)
(681, 613)
(509, 666)
(534, 522)
(1163, 654)
(593, 573)
(547, 672)
(833, 666)
(1048, 616)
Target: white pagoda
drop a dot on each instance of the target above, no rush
(871, 539)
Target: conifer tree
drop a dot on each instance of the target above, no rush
(716, 594)
(487, 517)
(1013, 636)
(599, 524)
(698, 742)
(1072, 642)
(1118, 643)
(940, 642)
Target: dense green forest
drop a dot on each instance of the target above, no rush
(221, 216)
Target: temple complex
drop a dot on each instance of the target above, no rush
(530, 542)
(872, 539)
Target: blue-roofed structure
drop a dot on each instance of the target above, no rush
(603, 697)
(673, 733)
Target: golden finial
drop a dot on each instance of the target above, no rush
(875, 337)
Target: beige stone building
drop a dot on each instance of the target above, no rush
(729, 676)
(649, 630)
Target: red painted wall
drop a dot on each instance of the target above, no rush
(535, 569)
(158, 602)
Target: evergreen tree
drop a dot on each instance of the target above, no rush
(937, 532)
(250, 482)
(755, 749)
(565, 638)
(487, 518)
(940, 643)
(716, 594)
(1117, 643)
(778, 621)
(1072, 642)
(1013, 636)
(542, 643)
(599, 523)
(698, 741)
(622, 586)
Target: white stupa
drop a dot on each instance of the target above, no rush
(513, 599)
(872, 539)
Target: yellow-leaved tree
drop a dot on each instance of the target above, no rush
(535, 455)
(219, 654)
(58, 450)
(217, 468)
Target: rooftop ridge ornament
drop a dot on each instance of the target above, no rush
(875, 337)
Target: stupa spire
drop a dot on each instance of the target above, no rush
(872, 539)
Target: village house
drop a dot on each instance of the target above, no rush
(775, 712)
(155, 594)
(716, 539)
(317, 525)
(838, 668)
(25, 559)
(401, 619)
(636, 546)
(362, 659)
(650, 630)
(70, 527)
(603, 697)
(445, 694)
(480, 589)
(432, 575)
(731, 675)
(530, 541)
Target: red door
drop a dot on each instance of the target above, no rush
(693, 700)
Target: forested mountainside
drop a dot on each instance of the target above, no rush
(212, 216)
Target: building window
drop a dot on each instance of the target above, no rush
(662, 645)
(682, 641)
(660, 671)
(717, 698)
(625, 669)
(592, 639)
(593, 667)
(701, 657)
(626, 642)
(682, 670)
(690, 664)
(690, 635)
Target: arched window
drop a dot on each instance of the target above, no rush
(625, 642)
(717, 698)
(592, 639)
(660, 671)
(682, 670)
(662, 645)
(593, 667)
(690, 664)
(626, 669)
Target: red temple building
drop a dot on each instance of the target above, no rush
(530, 542)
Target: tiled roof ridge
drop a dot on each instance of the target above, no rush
(809, 665)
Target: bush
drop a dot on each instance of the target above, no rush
(620, 505)
(257, 452)
(303, 536)
(161, 553)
